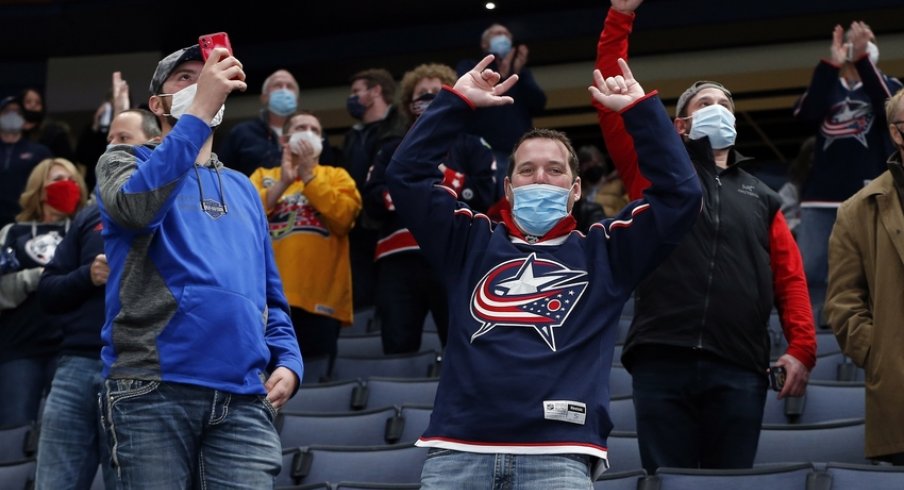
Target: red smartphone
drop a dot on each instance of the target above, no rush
(209, 41)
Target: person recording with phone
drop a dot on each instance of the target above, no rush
(199, 351)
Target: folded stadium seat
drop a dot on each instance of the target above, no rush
(621, 412)
(337, 396)
(378, 464)
(316, 370)
(843, 476)
(386, 392)
(364, 428)
(620, 382)
(772, 477)
(414, 420)
(826, 343)
(362, 323)
(416, 365)
(835, 441)
(18, 442)
(623, 452)
(376, 486)
(620, 480)
(17, 474)
(370, 344)
(836, 367)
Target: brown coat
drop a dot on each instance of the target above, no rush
(865, 304)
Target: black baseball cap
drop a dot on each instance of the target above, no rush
(166, 66)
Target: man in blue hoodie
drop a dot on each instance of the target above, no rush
(199, 351)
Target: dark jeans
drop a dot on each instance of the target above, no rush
(408, 289)
(695, 410)
(23, 383)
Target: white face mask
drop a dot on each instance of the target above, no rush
(308, 136)
(873, 52)
(182, 101)
(715, 122)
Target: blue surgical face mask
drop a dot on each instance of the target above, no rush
(283, 102)
(500, 45)
(354, 106)
(715, 122)
(538, 207)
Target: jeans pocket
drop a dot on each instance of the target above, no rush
(270, 408)
(435, 452)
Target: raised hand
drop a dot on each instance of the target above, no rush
(839, 48)
(222, 73)
(860, 35)
(482, 86)
(616, 93)
(520, 60)
(626, 6)
(120, 94)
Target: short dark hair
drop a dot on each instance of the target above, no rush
(377, 76)
(550, 134)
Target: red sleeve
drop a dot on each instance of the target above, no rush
(791, 295)
(613, 44)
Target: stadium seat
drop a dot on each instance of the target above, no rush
(855, 476)
(773, 477)
(623, 451)
(836, 367)
(378, 464)
(338, 396)
(415, 419)
(620, 480)
(837, 441)
(316, 370)
(17, 474)
(619, 382)
(621, 412)
(417, 365)
(365, 428)
(385, 392)
(18, 442)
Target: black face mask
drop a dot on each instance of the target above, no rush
(593, 174)
(33, 116)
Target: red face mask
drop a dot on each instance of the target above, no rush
(63, 195)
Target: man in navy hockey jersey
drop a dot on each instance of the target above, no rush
(533, 303)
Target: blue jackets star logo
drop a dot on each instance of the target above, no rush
(848, 119)
(527, 292)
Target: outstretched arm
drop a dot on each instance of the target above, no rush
(613, 44)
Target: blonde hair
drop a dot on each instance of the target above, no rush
(892, 104)
(32, 197)
(444, 73)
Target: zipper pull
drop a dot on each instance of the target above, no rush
(718, 181)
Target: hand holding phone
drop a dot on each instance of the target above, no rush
(777, 375)
(208, 42)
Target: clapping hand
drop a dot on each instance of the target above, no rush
(616, 93)
(482, 86)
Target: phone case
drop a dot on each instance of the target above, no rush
(208, 42)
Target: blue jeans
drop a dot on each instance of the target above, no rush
(408, 290)
(72, 443)
(695, 410)
(175, 436)
(813, 240)
(22, 385)
(446, 469)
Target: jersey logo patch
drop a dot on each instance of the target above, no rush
(527, 292)
(848, 119)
